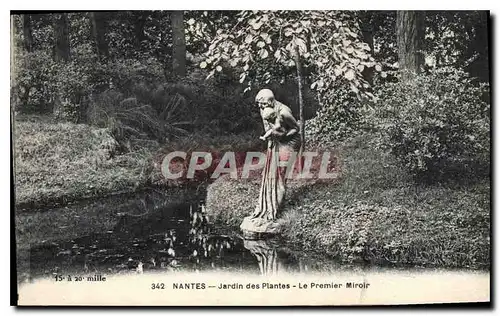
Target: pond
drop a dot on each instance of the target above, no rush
(148, 231)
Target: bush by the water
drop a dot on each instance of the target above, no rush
(435, 122)
(131, 120)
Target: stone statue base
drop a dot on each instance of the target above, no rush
(258, 228)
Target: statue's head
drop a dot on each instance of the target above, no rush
(265, 98)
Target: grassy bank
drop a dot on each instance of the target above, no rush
(375, 213)
(57, 163)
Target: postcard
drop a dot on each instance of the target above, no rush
(251, 158)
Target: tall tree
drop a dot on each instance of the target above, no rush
(298, 65)
(478, 64)
(61, 52)
(13, 73)
(140, 19)
(61, 37)
(179, 44)
(410, 31)
(27, 33)
(367, 29)
(98, 20)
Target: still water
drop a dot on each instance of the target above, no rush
(147, 232)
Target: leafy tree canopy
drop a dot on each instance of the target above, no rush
(260, 45)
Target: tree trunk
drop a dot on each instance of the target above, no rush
(13, 70)
(139, 24)
(99, 32)
(27, 33)
(179, 44)
(61, 36)
(367, 32)
(61, 53)
(301, 106)
(479, 45)
(410, 30)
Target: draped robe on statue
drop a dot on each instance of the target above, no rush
(280, 148)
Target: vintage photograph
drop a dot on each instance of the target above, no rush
(246, 158)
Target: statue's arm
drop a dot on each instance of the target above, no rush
(289, 121)
(267, 134)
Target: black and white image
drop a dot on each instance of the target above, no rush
(251, 157)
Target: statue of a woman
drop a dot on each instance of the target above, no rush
(283, 137)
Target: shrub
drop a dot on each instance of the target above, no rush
(436, 122)
(87, 89)
(73, 85)
(35, 81)
(124, 74)
(219, 103)
(43, 85)
(41, 82)
(130, 120)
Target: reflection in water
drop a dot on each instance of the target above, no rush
(165, 237)
(273, 258)
(266, 255)
(174, 237)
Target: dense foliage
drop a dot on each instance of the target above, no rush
(263, 47)
(435, 121)
(119, 76)
(130, 90)
(338, 121)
